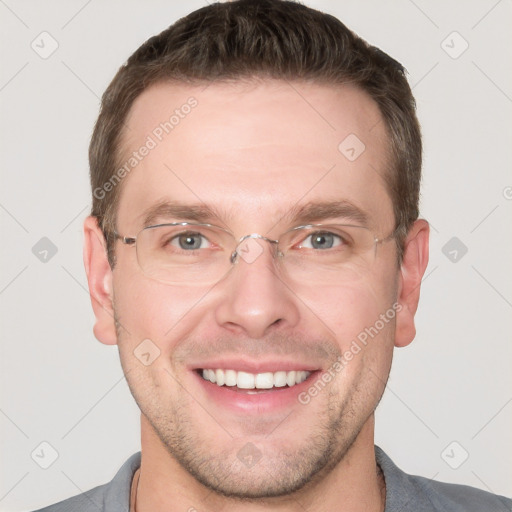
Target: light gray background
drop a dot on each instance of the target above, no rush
(61, 386)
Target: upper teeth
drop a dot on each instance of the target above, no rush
(246, 380)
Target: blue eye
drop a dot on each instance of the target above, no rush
(321, 240)
(188, 241)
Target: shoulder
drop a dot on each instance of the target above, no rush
(111, 497)
(415, 493)
(463, 497)
(89, 501)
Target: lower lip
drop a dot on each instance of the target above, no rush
(272, 400)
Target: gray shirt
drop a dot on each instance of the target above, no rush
(404, 493)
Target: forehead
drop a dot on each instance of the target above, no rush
(254, 151)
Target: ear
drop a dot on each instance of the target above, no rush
(99, 277)
(414, 263)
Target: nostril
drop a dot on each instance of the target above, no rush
(275, 322)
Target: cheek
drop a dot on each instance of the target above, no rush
(360, 316)
(345, 310)
(155, 318)
(151, 310)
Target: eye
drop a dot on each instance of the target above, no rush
(322, 240)
(189, 241)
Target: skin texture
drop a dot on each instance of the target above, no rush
(255, 150)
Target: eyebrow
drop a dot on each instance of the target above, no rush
(319, 211)
(201, 213)
(314, 211)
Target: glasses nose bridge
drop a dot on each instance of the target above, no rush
(254, 236)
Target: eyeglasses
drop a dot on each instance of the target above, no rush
(190, 253)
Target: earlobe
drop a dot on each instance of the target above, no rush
(99, 278)
(414, 264)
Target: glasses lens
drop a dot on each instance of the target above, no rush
(188, 254)
(327, 253)
(200, 254)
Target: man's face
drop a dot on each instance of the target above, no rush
(253, 153)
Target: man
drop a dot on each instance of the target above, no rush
(255, 172)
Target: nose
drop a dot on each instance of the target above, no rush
(255, 295)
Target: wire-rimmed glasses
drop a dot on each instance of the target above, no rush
(198, 253)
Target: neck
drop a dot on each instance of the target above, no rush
(354, 484)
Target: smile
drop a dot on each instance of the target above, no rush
(245, 380)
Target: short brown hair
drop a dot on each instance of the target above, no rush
(279, 39)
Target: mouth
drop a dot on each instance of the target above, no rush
(254, 383)
(242, 386)
(244, 392)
